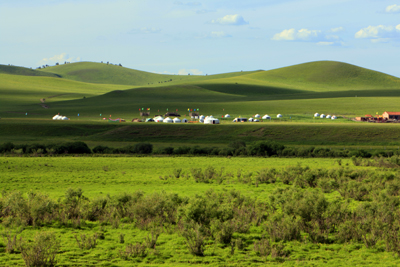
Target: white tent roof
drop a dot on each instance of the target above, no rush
(328, 116)
(279, 116)
(251, 119)
(322, 116)
(64, 118)
(55, 117)
(211, 121)
(256, 120)
(257, 116)
(167, 120)
(266, 116)
(316, 114)
(227, 116)
(184, 120)
(176, 120)
(334, 117)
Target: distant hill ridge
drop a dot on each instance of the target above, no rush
(311, 76)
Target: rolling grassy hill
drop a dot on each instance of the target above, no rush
(93, 88)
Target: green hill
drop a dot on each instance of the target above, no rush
(94, 88)
(323, 75)
(7, 69)
(93, 72)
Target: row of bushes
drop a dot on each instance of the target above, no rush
(236, 148)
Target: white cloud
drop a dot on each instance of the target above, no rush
(380, 40)
(61, 58)
(191, 71)
(374, 31)
(230, 20)
(220, 34)
(325, 43)
(338, 29)
(393, 9)
(300, 35)
(380, 33)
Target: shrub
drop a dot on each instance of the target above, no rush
(194, 239)
(133, 250)
(143, 148)
(265, 148)
(86, 241)
(11, 242)
(6, 147)
(42, 252)
(100, 149)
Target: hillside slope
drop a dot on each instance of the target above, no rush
(93, 72)
(14, 70)
(322, 75)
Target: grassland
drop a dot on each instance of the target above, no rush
(102, 177)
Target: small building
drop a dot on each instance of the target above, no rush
(391, 115)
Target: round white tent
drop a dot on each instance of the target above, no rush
(201, 118)
(64, 118)
(316, 114)
(158, 119)
(322, 116)
(334, 117)
(184, 120)
(211, 120)
(257, 116)
(167, 120)
(176, 120)
(256, 120)
(328, 116)
(279, 116)
(251, 120)
(55, 117)
(266, 117)
(227, 116)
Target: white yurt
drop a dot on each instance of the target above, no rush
(168, 120)
(316, 114)
(328, 116)
(266, 117)
(201, 118)
(251, 120)
(322, 116)
(59, 117)
(56, 117)
(227, 116)
(158, 119)
(279, 116)
(256, 120)
(176, 120)
(334, 117)
(257, 116)
(184, 120)
(211, 120)
(64, 118)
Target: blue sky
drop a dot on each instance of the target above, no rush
(201, 36)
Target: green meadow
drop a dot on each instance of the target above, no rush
(165, 210)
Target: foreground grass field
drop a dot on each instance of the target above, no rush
(101, 178)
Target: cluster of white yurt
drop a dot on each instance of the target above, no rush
(227, 116)
(211, 120)
(322, 116)
(316, 114)
(168, 120)
(158, 119)
(60, 118)
(176, 120)
(279, 116)
(266, 117)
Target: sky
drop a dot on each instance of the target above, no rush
(201, 36)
